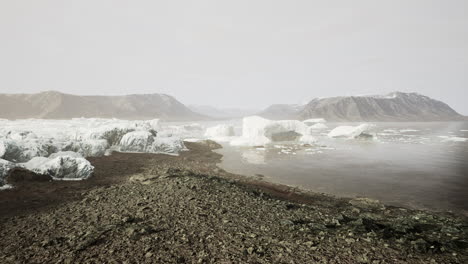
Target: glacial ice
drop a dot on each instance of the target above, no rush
(136, 141)
(61, 167)
(29, 142)
(351, 131)
(257, 131)
(220, 131)
(453, 139)
(168, 145)
(314, 121)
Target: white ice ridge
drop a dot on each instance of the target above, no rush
(257, 131)
(5, 166)
(351, 131)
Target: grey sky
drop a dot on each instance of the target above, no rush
(245, 53)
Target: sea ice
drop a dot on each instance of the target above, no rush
(257, 131)
(453, 139)
(314, 121)
(351, 131)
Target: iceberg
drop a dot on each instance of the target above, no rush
(137, 141)
(61, 167)
(351, 131)
(257, 131)
(220, 131)
(168, 145)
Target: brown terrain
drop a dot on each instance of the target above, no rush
(153, 208)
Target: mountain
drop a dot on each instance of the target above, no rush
(56, 105)
(221, 113)
(396, 106)
(281, 111)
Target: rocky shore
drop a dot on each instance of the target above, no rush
(149, 208)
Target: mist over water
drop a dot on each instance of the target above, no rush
(418, 165)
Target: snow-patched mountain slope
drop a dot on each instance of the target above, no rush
(281, 111)
(56, 105)
(395, 106)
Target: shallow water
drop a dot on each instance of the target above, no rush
(419, 165)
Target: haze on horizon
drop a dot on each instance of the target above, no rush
(247, 54)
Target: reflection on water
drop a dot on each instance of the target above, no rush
(421, 165)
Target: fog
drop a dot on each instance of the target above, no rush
(236, 53)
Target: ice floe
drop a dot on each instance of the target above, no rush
(220, 131)
(257, 131)
(362, 130)
(453, 139)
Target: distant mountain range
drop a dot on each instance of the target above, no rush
(56, 105)
(396, 106)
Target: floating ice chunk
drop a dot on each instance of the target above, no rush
(169, 145)
(313, 121)
(318, 126)
(408, 130)
(220, 131)
(308, 139)
(453, 139)
(61, 167)
(351, 131)
(257, 131)
(137, 141)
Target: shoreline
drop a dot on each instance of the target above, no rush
(185, 209)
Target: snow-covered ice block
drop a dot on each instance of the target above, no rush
(351, 131)
(137, 141)
(61, 167)
(88, 148)
(24, 150)
(168, 145)
(258, 131)
(220, 131)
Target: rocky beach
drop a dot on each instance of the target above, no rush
(155, 208)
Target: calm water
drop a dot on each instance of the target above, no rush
(420, 165)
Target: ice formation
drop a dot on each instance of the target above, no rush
(314, 121)
(58, 147)
(5, 166)
(351, 131)
(220, 131)
(453, 139)
(257, 131)
(61, 167)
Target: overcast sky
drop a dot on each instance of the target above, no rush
(242, 53)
